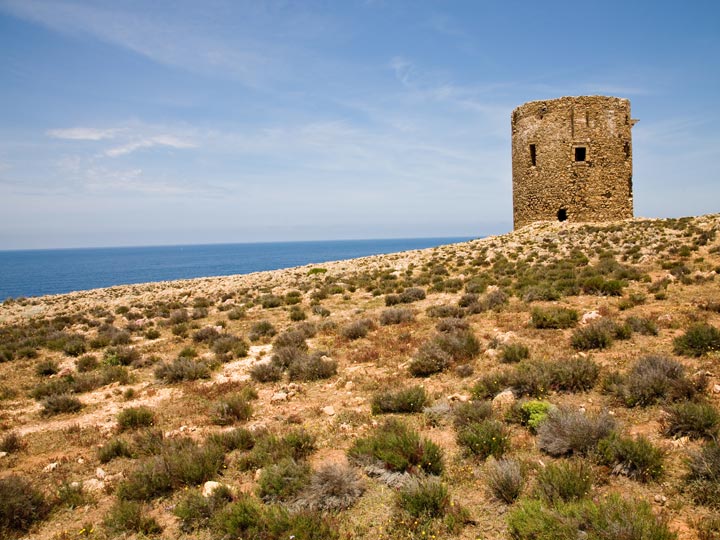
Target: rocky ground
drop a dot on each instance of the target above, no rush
(432, 393)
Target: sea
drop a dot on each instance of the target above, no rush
(26, 273)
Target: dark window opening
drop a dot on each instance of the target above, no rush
(626, 149)
(580, 153)
(562, 214)
(533, 155)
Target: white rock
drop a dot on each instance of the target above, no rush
(100, 474)
(3, 454)
(258, 473)
(590, 316)
(81, 460)
(209, 488)
(50, 467)
(504, 400)
(279, 396)
(492, 354)
(349, 385)
(93, 484)
(329, 410)
(462, 398)
(716, 389)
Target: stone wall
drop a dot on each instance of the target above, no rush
(572, 159)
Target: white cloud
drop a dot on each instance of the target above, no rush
(150, 142)
(82, 134)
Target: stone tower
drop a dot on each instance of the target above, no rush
(572, 160)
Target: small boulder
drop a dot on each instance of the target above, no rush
(278, 397)
(590, 316)
(504, 400)
(209, 488)
(93, 485)
(50, 467)
(329, 410)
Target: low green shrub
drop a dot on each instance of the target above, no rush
(86, 363)
(60, 403)
(399, 448)
(702, 480)
(636, 457)
(312, 367)
(698, 339)
(261, 329)
(11, 442)
(553, 317)
(266, 372)
(269, 301)
(182, 369)
(134, 418)
(596, 335)
(120, 356)
(130, 517)
(357, 329)
(564, 481)
(471, 412)
(404, 400)
(513, 353)
(234, 439)
(230, 409)
(268, 448)
(533, 413)
(485, 438)
(611, 517)
(332, 488)
(283, 480)
(396, 316)
(21, 505)
(424, 498)
(196, 511)
(46, 367)
(697, 420)
(112, 449)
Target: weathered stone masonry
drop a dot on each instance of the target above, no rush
(572, 160)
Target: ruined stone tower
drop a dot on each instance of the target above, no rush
(572, 160)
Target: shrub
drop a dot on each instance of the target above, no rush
(11, 442)
(438, 353)
(412, 294)
(702, 480)
(240, 519)
(120, 356)
(708, 528)
(261, 329)
(129, 516)
(406, 400)
(290, 339)
(596, 335)
(21, 505)
(696, 420)
(86, 363)
(266, 372)
(653, 379)
(230, 345)
(396, 316)
(312, 367)
(236, 313)
(488, 386)
(356, 329)
(484, 439)
(471, 412)
(573, 374)
(297, 314)
(444, 312)
(60, 403)
(269, 301)
(564, 481)
(269, 449)
(533, 413)
(231, 409)
(46, 367)
(633, 457)
(505, 479)
(75, 346)
(72, 495)
(195, 511)
(567, 431)
(427, 497)
(452, 324)
(135, 417)
(553, 317)
(180, 462)
(282, 480)
(697, 340)
(152, 333)
(332, 488)
(182, 369)
(612, 517)
(112, 449)
(235, 439)
(513, 353)
(399, 448)
(642, 325)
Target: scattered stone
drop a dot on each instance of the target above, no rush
(279, 396)
(660, 499)
(209, 488)
(81, 461)
(504, 337)
(258, 474)
(100, 474)
(92, 485)
(492, 354)
(504, 400)
(716, 389)
(3, 454)
(329, 410)
(349, 385)
(65, 372)
(462, 398)
(590, 316)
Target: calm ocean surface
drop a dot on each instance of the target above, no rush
(56, 271)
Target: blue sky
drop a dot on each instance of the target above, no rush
(127, 122)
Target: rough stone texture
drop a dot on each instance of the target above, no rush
(560, 183)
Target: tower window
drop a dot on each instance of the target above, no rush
(562, 214)
(580, 153)
(533, 155)
(626, 149)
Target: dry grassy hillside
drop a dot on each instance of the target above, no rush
(560, 381)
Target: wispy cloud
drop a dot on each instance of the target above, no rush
(83, 134)
(160, 140)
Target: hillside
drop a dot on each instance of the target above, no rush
(559, 378)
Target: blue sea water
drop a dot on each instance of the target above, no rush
(56, 271)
